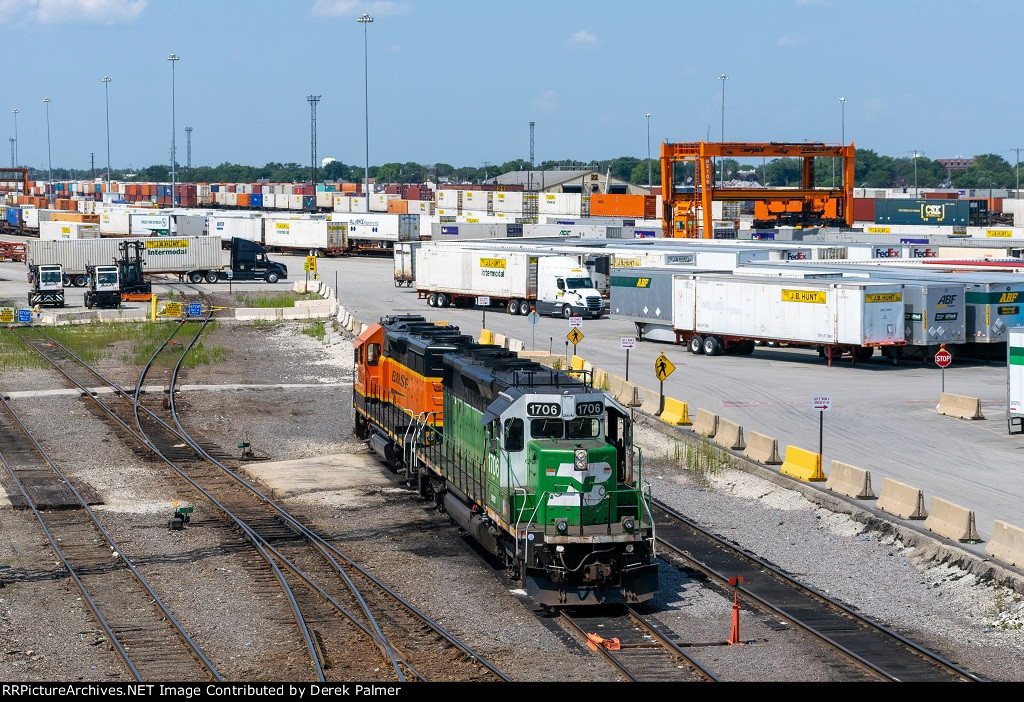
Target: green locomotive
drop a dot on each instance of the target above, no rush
(536, 464)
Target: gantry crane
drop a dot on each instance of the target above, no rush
(803, 206)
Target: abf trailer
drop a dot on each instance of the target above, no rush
(518, 280)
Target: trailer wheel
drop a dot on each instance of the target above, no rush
(442, 300)
(195, 277)
(80, 281)
(712, 346)
(211, 277)
(696, 344)
(524, 307)
(864, 353)
(432, 300)
(513, 306)
(746, 347)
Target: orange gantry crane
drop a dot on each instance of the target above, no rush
(688, 214)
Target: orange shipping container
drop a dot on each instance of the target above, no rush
(243, 199)
(348, 187)
(397, 206)
(642, 206)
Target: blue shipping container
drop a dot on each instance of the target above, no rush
(256, 200)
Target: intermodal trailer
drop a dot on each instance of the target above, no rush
(315, 235)
(159, 255)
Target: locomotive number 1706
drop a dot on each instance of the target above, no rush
(543, 409)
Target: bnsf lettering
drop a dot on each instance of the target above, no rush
(1008, 297)
(399, 380)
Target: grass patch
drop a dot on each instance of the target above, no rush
(270, 299)
(702, 458)
(202, 355)
(317, 330)
(15, 356)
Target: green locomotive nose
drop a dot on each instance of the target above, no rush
(577, 478)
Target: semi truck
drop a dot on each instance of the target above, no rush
(516, 280)
(714, 313)
(197, 259)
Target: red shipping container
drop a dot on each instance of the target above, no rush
(864, 209)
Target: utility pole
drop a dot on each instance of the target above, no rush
(1016, 193)
(313, 100)
(92, 162)
(13, 142)
(916, 152)
(532, 125)
(188, 151)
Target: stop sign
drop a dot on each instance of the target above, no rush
(943, 358)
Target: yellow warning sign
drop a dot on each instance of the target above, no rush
(7, 315)
(575, 336)
(310, 263)
(172, 309)
(663, 367)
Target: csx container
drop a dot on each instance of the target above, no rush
(923, 211)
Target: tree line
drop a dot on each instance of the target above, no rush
(871, 170)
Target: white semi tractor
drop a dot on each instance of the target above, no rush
(519, 281)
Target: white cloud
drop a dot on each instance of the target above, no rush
(342, 8)
(582, 37)
(789, 40)
(547, 101)
(68, 11)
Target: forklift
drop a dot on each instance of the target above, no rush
(103, 290)
(134, 286)
(46, 285)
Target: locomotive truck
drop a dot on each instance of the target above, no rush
(537, 465)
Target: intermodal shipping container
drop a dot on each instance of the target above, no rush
(922, 211)
(864, 209)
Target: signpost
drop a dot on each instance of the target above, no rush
(483, 301)
(310, 267)
(822, 403)
(627, 343)
(24, 316)
(663, 368)
(533, 318)
(942, 359)
(575, 336)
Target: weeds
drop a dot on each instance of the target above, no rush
(317, 330)
(702, 458)
(265, 299)
(1006, 611)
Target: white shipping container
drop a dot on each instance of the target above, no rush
(160, 255)
(379, 202)
(795, 310)
(383, 227)
(324, 200)
(114, 221)
(228, 228)
(507, 202)
(341, 203)
(304, 234)
(560, 203)
(31, 217)
(294, 202)
(449, 200)
(149, 224)
(476, 200)
(68, 230)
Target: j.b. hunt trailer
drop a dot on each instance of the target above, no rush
(719, 313)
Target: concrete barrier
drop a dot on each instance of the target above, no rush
(763, 449)
(576, 363)
(258, 313)
(803, 465)
(850, 481)
(486, 337)
(299, 287)
(676, 412)
(960, 406)
(624, 391)
(650, 402)
(501, 340)
(516, 345)
(729, 435)
(1007, 543)
(601, 379)
(952, 521)
(905, 501)
(538, 356)
(705, 424)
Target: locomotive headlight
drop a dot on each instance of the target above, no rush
(629, 548)
(562, 526)
(628, 524)
(560, 549)
(581, 459)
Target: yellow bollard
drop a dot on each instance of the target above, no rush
(152, 308)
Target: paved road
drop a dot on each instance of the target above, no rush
(883, 417)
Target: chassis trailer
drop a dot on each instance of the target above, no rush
(721, 313)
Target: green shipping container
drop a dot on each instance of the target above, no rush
(938, 212)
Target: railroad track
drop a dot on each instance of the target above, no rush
(141, 629)
(636, 645)
(319, 582)
(879, 651)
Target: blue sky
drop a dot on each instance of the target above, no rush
(458, 81)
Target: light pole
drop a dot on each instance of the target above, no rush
(723, 78)
(915, 173)
(648, 150)
(49, 162)
(106, 94)
(365, 20)
(842, 138)
(15, 111)
(173, 58)
(1016, 192)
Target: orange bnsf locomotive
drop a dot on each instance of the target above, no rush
(536, 464)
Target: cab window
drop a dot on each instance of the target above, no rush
(372, 354)
(546, 428)
(514, 435)
(583, 428)
(560, 283)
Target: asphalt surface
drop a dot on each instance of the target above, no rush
(882, 416)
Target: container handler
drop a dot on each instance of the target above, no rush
(133, 285)
(46, 286)
(104, 288)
